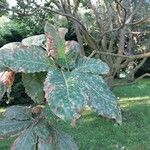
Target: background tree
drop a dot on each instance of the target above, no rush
(114, 31)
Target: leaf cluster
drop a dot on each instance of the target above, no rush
(54, 75)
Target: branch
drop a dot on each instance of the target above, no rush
(127, 22)
(139, 56)
(125, 13)
(136, 80)
(139, 21)
(134, 12)
(96, 15)
(62, 14)
(77, 29)
(142, 76)
(76, 7)
(87, 36)
(35, 10)
(140, 65)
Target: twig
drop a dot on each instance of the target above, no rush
(134, 12)
(125, 14)
(76, 7)
(139, 56)
(142, 76)
(139, 21)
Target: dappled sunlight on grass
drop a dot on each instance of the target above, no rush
(2, 110)
(125, 102)
(93, 132)
(142, 98)
(90, 119)
(139, 89)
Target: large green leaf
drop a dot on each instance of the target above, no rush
(54, 139)
(12, 45)
(67, 94)
(38, 40)
(63, 141)
(10, 127)
(33, 84)
(91, 65)
(26, 141)
(99, 97)
(58, 45)
(8, 46)
(59, 42)
(18, 113)
(51, 138)
(25, 59)
(72, 52)
(63, 94)
(42, 136)
(44, 133)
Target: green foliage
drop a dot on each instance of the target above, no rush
(35, 133)
(33, 84)
(67, 89)
(59, 44)
(37, 40)
(28, 139)
(16, 29)
(18, 113)
(68, 93)
(90, 65)
(11, 127)
(18, 94)
(25, 59)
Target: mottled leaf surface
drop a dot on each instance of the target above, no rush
(59, 43)
(57, 141)
(38, 40)
(67, 94)
(18, 113)
(72, 53)
(63, 94)
(12, 45)
(26, 141)
(91, 65)
(26, 59)
(11, 127)
(33, 84)
(99, 97)
(44, 133)
(63, 141)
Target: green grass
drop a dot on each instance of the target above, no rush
(96, 133)
(139, 89)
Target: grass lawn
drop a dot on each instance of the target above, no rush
(96, 133)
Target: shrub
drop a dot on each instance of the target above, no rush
(61, 84)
